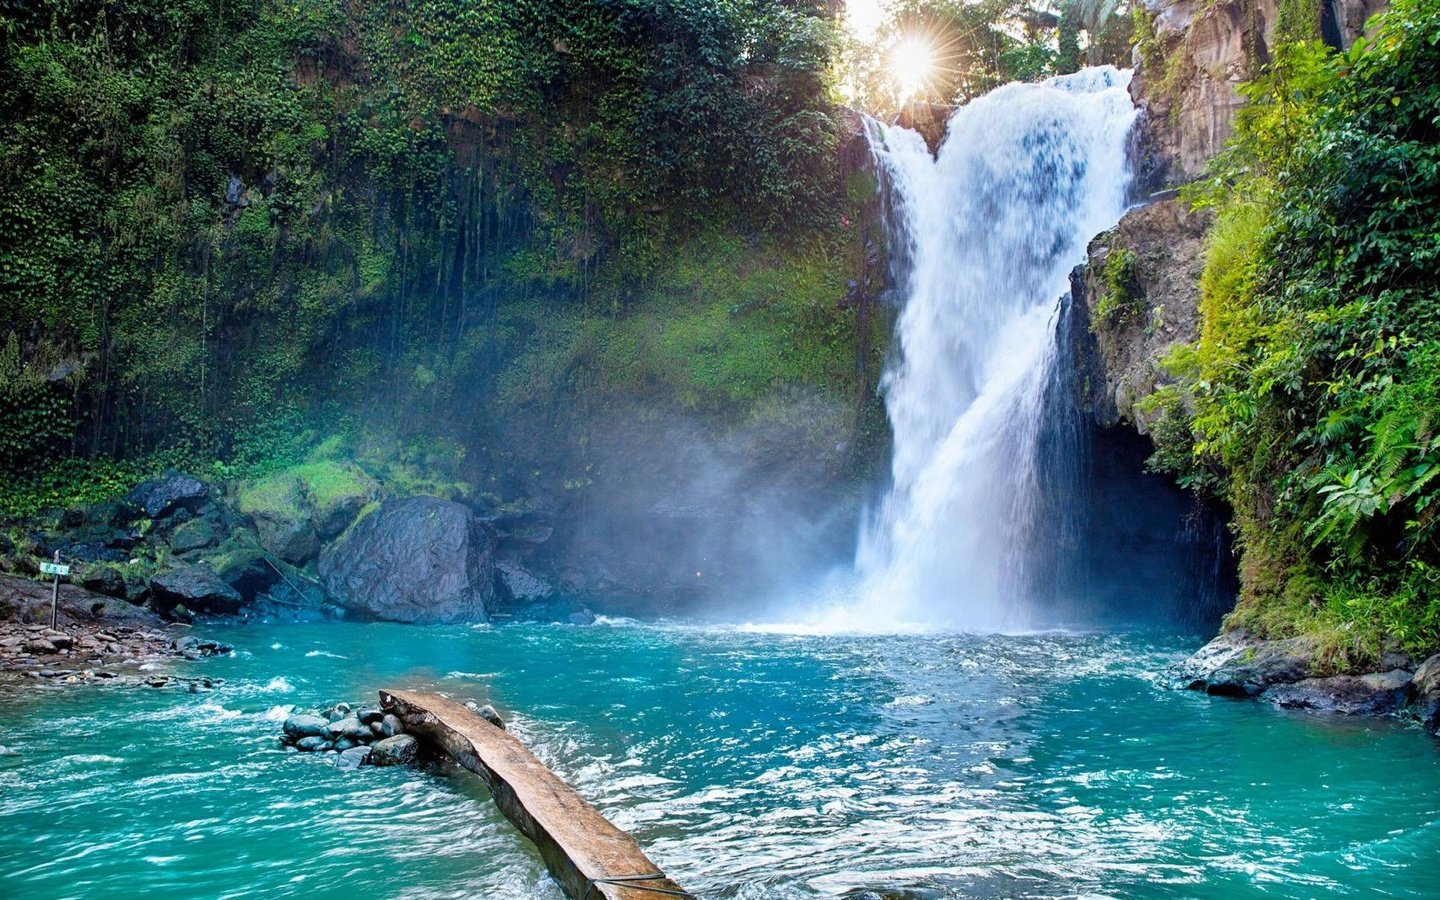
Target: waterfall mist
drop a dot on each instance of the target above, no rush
(986, 233)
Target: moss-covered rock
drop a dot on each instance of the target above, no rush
(196, 534)
(295, 509)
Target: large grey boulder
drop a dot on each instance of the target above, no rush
(196, 588)
(400, 750)
(1378, 694)
(421, 560)
(166, 495)
(1238, 664)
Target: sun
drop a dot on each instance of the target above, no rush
(912, 64)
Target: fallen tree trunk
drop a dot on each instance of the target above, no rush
(586, 854)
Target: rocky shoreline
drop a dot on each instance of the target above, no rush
(95, 641)
(1283, 672)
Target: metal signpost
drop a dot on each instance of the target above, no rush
(59, 570)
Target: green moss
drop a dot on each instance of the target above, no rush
(330, 483)
(720, 326)
(279, 497)
(309, 490)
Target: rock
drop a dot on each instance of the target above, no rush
(244, 567)
(488, 713)
(519, 584)
(370, 715)
(1365, 695)
(1165, 242)
(929, 119)
(196, 534)
(400, 750)
(1425, 690)
(293, 541)
(352, 758)
(174, 491)
(114, 513)
(105, 580)
(391, 726)
(421, 560)
(312, 744)
(195, 587)
(303, 726)
(1236, 664)
(92, 552)
(40, 647)
(349, 727)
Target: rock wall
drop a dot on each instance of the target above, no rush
(1189, 68)
(1187, 77)
(1141, 293)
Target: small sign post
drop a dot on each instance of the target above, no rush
(57, 569)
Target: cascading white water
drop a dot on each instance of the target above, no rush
(988, 231)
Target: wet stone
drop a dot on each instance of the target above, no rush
(353, 758)
(402, 749)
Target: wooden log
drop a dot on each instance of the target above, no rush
(586, 854)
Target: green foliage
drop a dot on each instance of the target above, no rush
(1317, 376)
(980, 45)
(238, 222)
(721, 326)
(73, 481)
(1122, 299)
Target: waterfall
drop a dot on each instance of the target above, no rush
(984, 236)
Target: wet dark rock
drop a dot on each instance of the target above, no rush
(519, 585)
(92, 552)
(196, 534)
(1237, 664)
(400, 750)
(197, 588)
(196, 648)
(390, 726)
(312, 744)
(421, 559)
(349, 727)
(300, 726)
(166, 495)
(293, 541)
(1379, 694)
(353, 758)
(1425, 689)
(104, 579)
(370, 715)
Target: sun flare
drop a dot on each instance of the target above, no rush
(912, 63)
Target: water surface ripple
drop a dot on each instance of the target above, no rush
(750, 764)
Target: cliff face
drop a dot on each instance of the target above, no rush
(1195, 56)
(1142, 293)
(1188, 75)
